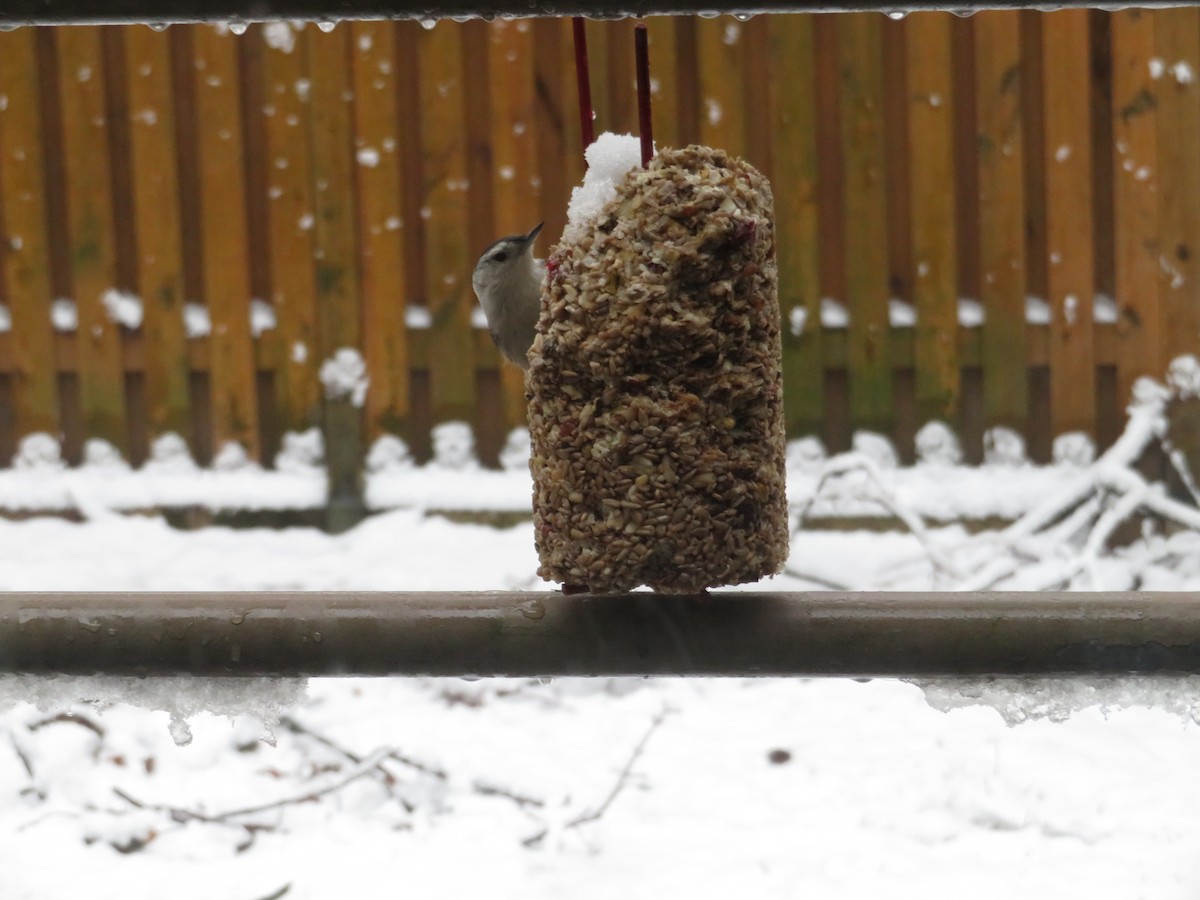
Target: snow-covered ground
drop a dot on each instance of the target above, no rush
(584, 789)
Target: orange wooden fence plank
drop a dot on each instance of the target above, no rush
(1067, 163)
(25, 260)
(721, 59)
(831, 212)
(381, 227)
(792, 114)
(555, 124)
(284, 119)
(90, 229)
(1135, 200)
(966, 151)
(860, 66)
(1178, 37)
(334, 213)
(225, 236)
(895, 138)
(930, 110)
(156, 213)
(1033, 135)
(622, 78)
(445, 214)
(687, 79)
(515, 189)
(760, 139)
(664, 79)
(1002, 217)
(477, 134)
(599, 43)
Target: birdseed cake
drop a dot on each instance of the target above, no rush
(655, 386)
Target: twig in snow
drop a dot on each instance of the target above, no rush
(22, 754)
(851, 462)
(279, 893)
(491, 790)
(389, 780)
(298, 727)
(73, 718)
(180, 813)
(618, 785)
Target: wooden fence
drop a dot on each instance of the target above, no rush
(1001, 213)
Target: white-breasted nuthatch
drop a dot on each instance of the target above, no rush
(508, 283)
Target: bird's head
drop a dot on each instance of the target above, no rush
(507, 258)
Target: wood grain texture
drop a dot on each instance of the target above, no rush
(1069, 249)
(930, 110)
(1002, 263)
(516, 190)
(1136, 175)
(225, 236)
(721, 63)
(791, 101)
(1177, 36)
(90, 230)
(664, 79)
(335, 231)
(860, 67)
(445, 216)
(381, 227)
(25, 259)
(157, 227)
(284, 120)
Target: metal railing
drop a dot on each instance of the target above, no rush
(548, 634)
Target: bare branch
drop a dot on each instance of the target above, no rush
(858, 462)
(73, 718)
(297, 727)
(180, 813)
(618, 785)
(491, 790)
(22, 754)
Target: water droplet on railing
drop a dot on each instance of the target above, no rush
(429, 24)
(327, 26)
(237, 27)
(158, 26)
(533, 609)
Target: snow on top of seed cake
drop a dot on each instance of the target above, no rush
(609, 158)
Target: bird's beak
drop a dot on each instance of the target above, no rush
(533, 234)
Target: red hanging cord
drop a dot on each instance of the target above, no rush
(587, 127)
(641, 43)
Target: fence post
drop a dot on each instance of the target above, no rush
(345, 504)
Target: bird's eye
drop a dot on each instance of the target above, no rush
(500, 257)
